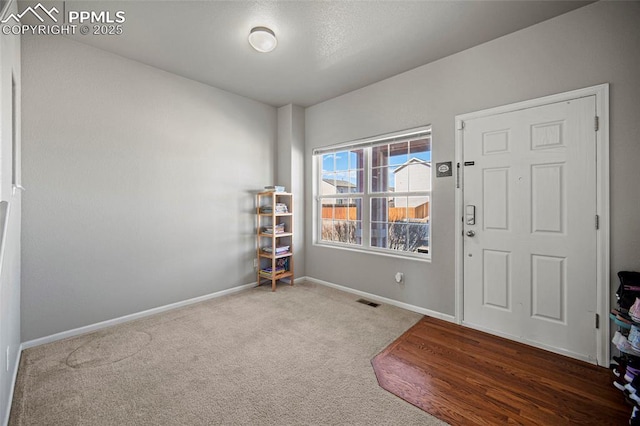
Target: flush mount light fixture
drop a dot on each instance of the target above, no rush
(262, 39)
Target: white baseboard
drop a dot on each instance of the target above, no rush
(376, 298)
(108, 323)
(16, 364)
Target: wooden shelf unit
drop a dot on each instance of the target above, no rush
(274, 240)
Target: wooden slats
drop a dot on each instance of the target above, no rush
(464, 376)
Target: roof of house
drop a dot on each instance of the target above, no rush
(339, 182)
(413, 161)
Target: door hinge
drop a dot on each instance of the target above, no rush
(597, 321)
(597, 222)
(597, 123)
(460, 125)
(458, 175)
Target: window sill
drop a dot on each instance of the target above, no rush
(410, 257)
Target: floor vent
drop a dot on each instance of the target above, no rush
(367, 302)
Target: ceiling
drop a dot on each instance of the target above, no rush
(325, 48)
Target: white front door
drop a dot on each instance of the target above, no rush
(529, 183)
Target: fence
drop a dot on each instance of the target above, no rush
(396, 214)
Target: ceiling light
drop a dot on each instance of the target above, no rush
(262, 39)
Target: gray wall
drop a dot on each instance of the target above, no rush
(140, 186)
(290, 173)
(10, 212)
(592, 45)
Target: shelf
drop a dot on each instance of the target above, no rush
(280, 220)
(266, 193)
(629, 351)
(277, 277)
(620, 323)
(282, 234)
(277, 256)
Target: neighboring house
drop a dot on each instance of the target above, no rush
(329, 187)
(414, 175)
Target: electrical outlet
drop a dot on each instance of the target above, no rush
(255, 263)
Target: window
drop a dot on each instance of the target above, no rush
(375, 194)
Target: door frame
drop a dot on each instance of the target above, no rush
(601, 92)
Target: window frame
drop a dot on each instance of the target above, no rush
(367, 194)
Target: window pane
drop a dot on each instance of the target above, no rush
(342, 160)
(355, 209)
(359, 180)
(356, 159)
(405, 236)
(357, 233)
(327, 230)
(418, 208)
(379, 179)
(327, 209)
(398, 153)
(340, 208)
(350, 232)
(398, 209)
(378, 234)
(328, 184)
(418, 176)
(413, 176)
(418, 238)
(340, 175)
(343, 209)
(354, 216)
(380, 156)
(341, 231)
(343, 186)
(342, 220)
(420, 149)
(379, 209)
(328, 163)
(355, 181)
(397, 235)
(392, 179)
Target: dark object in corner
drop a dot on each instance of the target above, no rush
(629, 288)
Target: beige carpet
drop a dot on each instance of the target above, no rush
(298, 356)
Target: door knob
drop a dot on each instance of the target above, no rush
(471, 233)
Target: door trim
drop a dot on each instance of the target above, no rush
(601, 92)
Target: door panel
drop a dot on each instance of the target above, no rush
(495, 187)
(548, 287)
(530, 267)
(496, 280)
(548, 198)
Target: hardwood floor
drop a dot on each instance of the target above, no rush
(466, 377)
